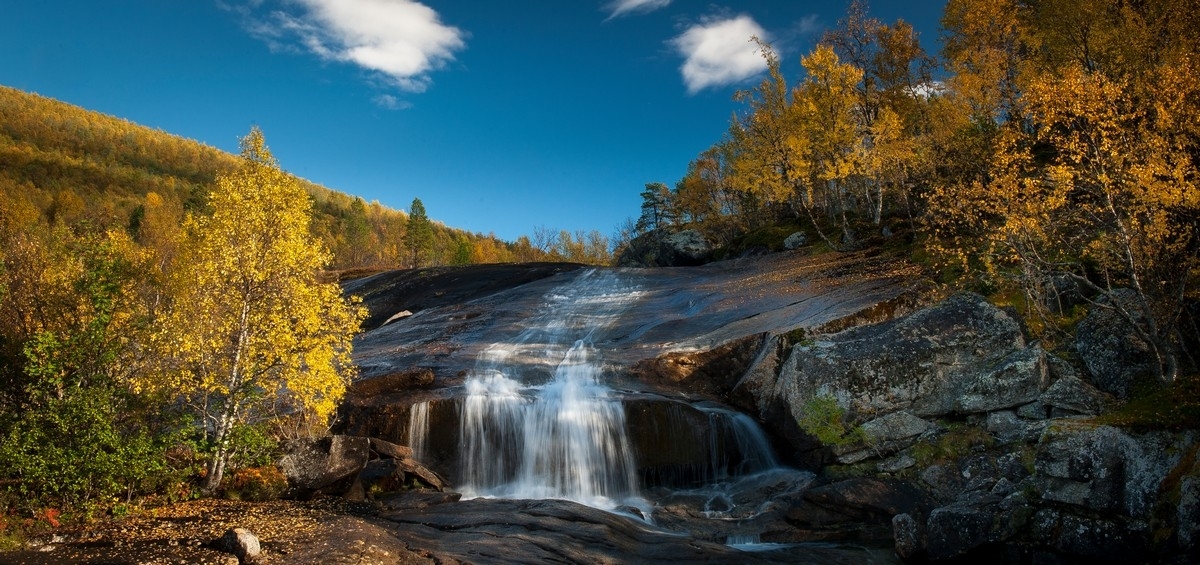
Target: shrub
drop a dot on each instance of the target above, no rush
(825, 420)
(256, 484)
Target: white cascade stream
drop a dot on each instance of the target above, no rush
(565, 438)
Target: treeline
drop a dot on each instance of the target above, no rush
(73, 166)
(1052, 148)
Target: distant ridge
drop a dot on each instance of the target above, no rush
(76, 164)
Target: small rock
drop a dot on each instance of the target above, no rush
(1070, 396)
(1034, 411)
(795, 241)
(1005, 425)
(241, 543)
(897, 463)
(907, 532)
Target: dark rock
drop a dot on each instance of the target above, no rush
(957, 357)
(642, 251)
(241, 543)
(659, 248)
(1103, 468)
(896, 464)
(856, 500)
(411, 499)
(885, 435)
(955, 530)
(1034, 410)
(555, 531)
(1187, 514)
(712, 372)
(908, 533)
(389, 449)
(312, 465)
(1070, 396)
(679, 444)
(1006, 426)
(687, 248)
(944, 481)
(795, 241)
(1116, 540)
(1113, 353)
(392, 382)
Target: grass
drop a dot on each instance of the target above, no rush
(1153, 406)
(958, 441)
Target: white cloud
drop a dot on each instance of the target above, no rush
(619, 8)
(389, 102)
(402, 40)
(718, 52)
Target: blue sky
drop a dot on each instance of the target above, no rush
(500, 116)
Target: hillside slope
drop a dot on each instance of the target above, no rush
(74, 165)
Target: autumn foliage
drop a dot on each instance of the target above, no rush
(1057, 152)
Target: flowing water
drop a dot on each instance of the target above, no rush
(565, 438)
(537, 421)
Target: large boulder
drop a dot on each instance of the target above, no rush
(352, 466)
(1104, 469)
(1108, 345)
(684, 249)
(960, 356)
(314, 465)
(659, 248)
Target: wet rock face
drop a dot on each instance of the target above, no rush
(713, 372)
(958, 357)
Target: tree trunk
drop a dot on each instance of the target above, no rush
(216, 465)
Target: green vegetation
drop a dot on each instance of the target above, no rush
(132, 369)
(1154, 407)
(824, 419)
(958, 441)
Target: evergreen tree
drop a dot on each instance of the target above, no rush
(418, 236)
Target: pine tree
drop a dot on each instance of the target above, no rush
(418, 236)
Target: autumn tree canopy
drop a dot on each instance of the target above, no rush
(250, 332)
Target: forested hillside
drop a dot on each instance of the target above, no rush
(73, 165)
(166, 315)
(1052, 153)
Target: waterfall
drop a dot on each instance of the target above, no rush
(745, 450)
(418, 430)
(564, 438)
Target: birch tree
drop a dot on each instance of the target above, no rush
(251, 330)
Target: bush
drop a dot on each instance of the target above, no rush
(256, 484)
(79, 452)
(825, 420)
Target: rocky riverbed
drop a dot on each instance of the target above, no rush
(959, 436)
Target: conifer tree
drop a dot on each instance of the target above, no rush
(418, 236)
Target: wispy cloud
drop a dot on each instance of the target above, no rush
(401, 40)
(389, 102)
(718, 52)
(618, 8)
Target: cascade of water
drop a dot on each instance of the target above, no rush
(754, 452)
(418, 429)
(562, 439)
